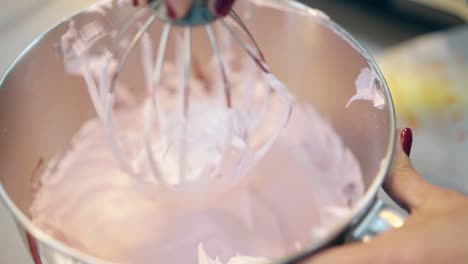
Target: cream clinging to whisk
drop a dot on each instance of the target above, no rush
(169, 123)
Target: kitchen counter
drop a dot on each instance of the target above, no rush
(20, 24)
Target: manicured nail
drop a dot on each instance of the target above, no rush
(141, 2)
(407, 140)
(223, 7)
(33, 249)
(170, 11)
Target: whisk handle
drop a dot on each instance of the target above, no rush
(199, 14)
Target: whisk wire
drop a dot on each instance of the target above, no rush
(274, 84)
(130, 21)
(241, 23)
(129, 50)
(185, 102)
(255, 53)
(227, 94)
(109, 118)
(155, 104)
(217, 54)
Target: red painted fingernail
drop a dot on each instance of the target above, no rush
(135, 3)
(170, 11)
(407, 140)
(223, 7)
(33, 248)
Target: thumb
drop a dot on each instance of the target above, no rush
(220, 7)
(403, 183)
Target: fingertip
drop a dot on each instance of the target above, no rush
(170, 11)
(403, 183)
(406, 138)
(220, 8)
(137, 3)
(403, 149)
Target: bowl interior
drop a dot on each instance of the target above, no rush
(42, 107)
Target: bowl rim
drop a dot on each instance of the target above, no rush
(358, 211)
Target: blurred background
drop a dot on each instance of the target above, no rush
(421, 46)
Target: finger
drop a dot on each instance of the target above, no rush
(220, 7)
(177, 9)
(403, 183)
(139, 2)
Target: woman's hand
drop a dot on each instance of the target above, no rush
(177, 9)
(435, 232)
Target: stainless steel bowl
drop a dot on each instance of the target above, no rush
(41, 107)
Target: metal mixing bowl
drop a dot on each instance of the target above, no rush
(41, 107)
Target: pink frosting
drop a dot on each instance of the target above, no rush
(250, 188)
(304, 185)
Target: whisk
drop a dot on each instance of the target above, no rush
(199, 15)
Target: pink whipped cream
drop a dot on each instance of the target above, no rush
(275, 190)
(305, 184)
